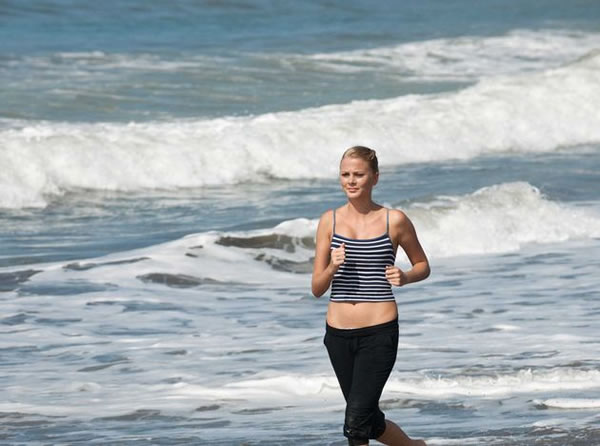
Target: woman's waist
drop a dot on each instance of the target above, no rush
(348, 315)
(385, 327)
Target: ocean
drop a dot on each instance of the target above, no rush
(163, 166)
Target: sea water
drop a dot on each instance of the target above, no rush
(163, 167)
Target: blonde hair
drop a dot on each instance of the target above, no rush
(365, 154)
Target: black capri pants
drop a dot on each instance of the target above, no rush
(363, 359)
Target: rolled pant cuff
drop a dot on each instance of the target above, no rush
(357, 441)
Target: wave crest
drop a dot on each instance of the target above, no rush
(526, 113)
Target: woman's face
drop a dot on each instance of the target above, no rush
(356, 177)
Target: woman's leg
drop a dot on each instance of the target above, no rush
(374, 361)
(394, 436)
(341, 354)
(362, 365)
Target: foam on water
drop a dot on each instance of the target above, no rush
(462, 58)
(227, 351)
(499, 218)
(495, 219)
(89, 398)
(570, 403)
(292, 387)
(95, 61)
(523, 113)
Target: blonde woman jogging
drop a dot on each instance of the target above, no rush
(355, 254)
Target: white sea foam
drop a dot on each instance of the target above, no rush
(525, 381)
(460, 58)
(495, 219)
(89, 63)
(304, 390)
(526, 113)
(521, 382)
(570, 403)
(499, 218)
(295, 386)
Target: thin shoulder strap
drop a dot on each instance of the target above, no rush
(333, 221)
(387, 222)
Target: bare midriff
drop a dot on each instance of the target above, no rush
(360, 314)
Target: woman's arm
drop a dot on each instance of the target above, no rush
(326, 261)
(402, 230)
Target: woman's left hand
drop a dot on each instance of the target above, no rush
(395, 275)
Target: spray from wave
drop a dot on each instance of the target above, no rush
(526, 113)
(495, 219)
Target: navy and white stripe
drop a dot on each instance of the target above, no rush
(361, 278)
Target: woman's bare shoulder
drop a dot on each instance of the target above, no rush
(398, 218)
(327, 216)
(326, 221)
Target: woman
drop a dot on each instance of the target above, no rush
(355, 253)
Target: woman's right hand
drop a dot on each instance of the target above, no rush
(327, 260)
(338, 256)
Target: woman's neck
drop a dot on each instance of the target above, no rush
(362, 207)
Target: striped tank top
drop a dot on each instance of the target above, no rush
(361, 278)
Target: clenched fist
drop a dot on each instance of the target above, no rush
(338, 255)
(395, 275)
